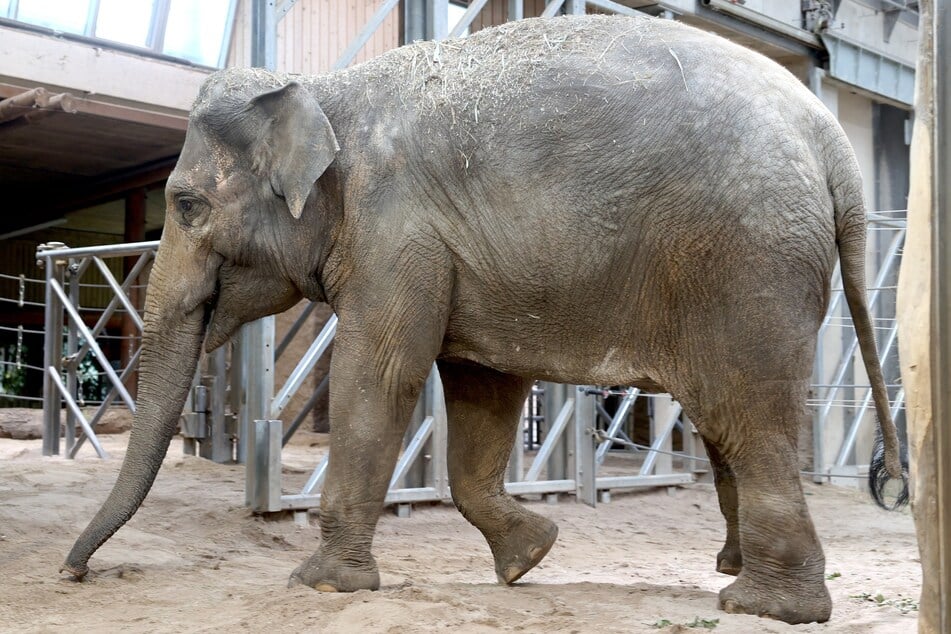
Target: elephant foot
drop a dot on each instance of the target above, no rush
(523, 547)
(792, 602)
(729, 560)
(329, 575)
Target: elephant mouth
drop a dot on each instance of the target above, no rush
(216, 332)
(211, 304)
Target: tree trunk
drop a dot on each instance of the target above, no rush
(914, 323)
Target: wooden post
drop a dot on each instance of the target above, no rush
(134, 232)
(919, 343)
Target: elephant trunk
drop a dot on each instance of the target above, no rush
(171, 347)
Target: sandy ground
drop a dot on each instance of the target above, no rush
(194, 560)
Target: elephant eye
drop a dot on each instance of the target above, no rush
(188, 207)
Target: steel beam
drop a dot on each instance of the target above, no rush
(475, 7)
(55, 268)
(368, 30)
(304, 367)
(585, 464)
(437, 19)
(554, 433)
(265, 492)
(552, 8)
(264, 34)
(257, 357)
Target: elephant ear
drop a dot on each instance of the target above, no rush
(294, 145)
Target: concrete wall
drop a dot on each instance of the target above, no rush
(33, 59)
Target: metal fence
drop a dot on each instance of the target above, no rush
(844, 414)
(65, 271)
(584, 440)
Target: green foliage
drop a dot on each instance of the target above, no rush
(12, 377)
(902, 604)
(833, 575)
(707, 624)
(90, 383)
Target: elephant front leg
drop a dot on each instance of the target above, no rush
(370, 406)
(484, 408)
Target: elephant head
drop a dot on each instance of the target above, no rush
(242, 240)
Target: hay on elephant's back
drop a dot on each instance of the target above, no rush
(490, 69)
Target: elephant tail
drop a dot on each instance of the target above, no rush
(850, 233)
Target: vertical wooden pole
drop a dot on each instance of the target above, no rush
(134, 232)
(941, 308)
(924, 336)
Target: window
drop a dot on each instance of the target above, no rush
(69, 16)
(195, 30)
(125, 21)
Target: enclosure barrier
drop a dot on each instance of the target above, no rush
(841, 397)
(558, 426)
(841, 404)
(64, 269)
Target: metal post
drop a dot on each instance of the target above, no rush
(257, 351)
(72, 346)
(266, 490)
(439, 441)
(414, 20)
(516, 10)
(941, 301)
(663, 410)
(560, 461)
(257, 338)
(437, 19)
(415, 474)
(574, 7)
(217, 445)
(263, 34)
(586, 488)
(52, 348)
(517, 458)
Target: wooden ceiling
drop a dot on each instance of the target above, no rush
(59, 160)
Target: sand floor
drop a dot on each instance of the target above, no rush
(194, 559)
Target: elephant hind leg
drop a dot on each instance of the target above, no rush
(782, 573)
(484, 408)
(730, 558)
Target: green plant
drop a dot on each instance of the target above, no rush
(902, 604)
(89, 382)
(12, 372)
(707, 624)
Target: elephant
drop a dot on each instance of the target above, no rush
(595, 200)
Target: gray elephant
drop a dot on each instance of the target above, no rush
(593, 200)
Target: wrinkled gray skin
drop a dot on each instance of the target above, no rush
(591, 201)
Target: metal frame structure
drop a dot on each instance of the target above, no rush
(64, 269)
(842, 404)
